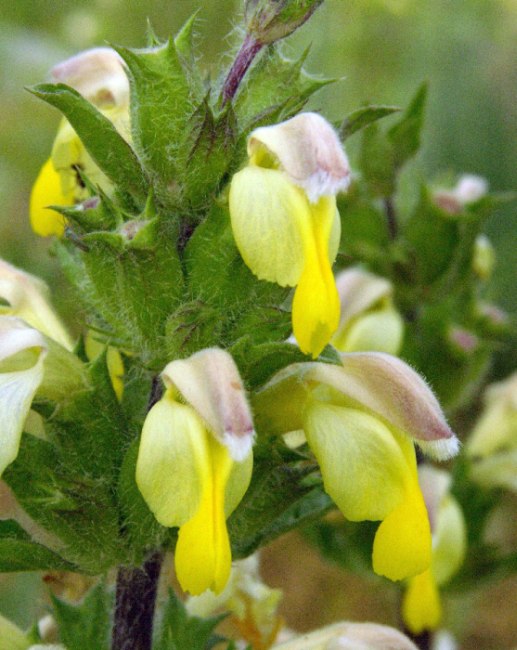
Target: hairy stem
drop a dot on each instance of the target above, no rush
(249, 50)
(134, 608)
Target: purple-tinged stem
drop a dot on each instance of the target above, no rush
(249, 50)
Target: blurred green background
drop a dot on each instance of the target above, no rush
(380, 50)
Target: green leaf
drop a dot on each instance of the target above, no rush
(258, 363)
(24, 555)
(161, 107)
(104, 143)
(179, 630)
(218, 277)
(364, 232)
(347, 544)
(124, 281)
(274, 89)
(139, 526)
(205, 154)
(363, 117)
(90, 428)
(405, 134)
(280, 497)
(76, 508)
(377, 161)
(432, 240)
(85, 626)
(184, 43)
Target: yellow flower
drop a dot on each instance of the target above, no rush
(194, 463)
(285, 221)
(421, 604)
(349, 636)
(30, 364)
(361, 420)
(99, 76)
(369, 320)
(26, 297)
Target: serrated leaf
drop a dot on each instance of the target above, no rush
(179, 630)
(21, 555)
(405, 134)
(362, 117)
(258, 363)
(205, 154)
(77, 509)
(161, 106)
(91, 428)
(277, 500)
(85, 626)
(139, 526)
(274, 89)
(104, 143)
(124, 281)
(184, 43)
(217, 276)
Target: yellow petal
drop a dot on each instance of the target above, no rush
(47, 191)
(203, 556)
(402, 545)
(316, 301)
(421, 607)
(173, 461)
(363, 467)
(269, 218)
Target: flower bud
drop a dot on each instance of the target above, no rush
(463, 342)
(350, 636)
(496, 429)
(483, 259)
(98, 74)
(493, 442)
(368, 318)
(469, 189)
(268, 21)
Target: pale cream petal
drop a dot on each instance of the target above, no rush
(363, 467)
(173, 462)
(22, 354)
(269, 215)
